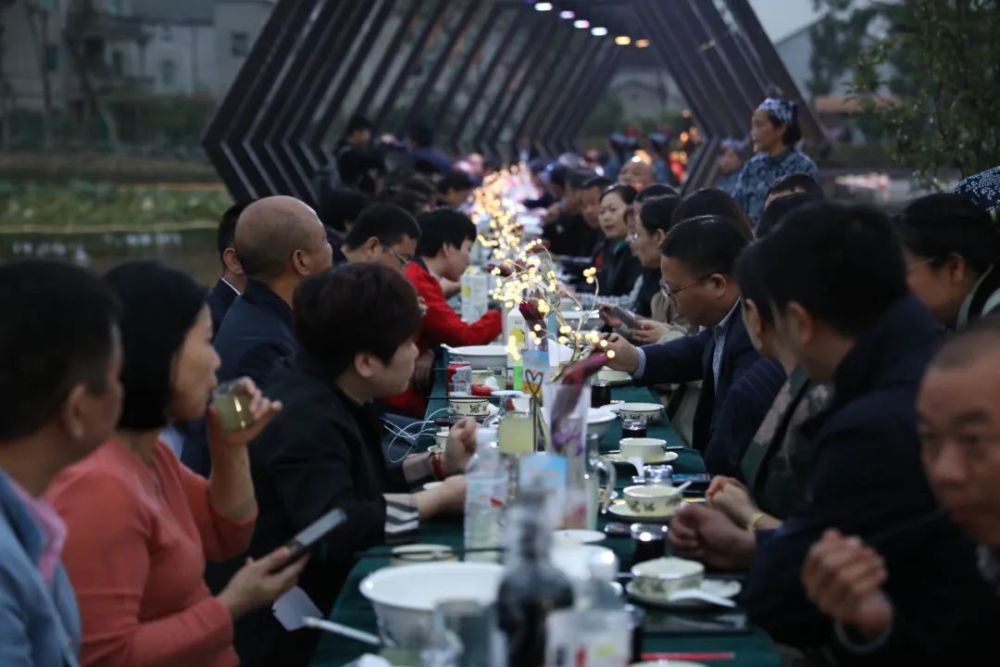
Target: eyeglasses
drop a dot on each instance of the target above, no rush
(403, 261)
(671, 293)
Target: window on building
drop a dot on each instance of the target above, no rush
(168, 34)
(168, 72)
(239, 44)
(118, 62)
(51, 57)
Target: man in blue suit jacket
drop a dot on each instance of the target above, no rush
(279, 241)
(697, 266)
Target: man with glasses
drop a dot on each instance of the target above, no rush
(446, 237)
(696, 266)
(383, 234)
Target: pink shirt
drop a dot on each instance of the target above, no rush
(52, 528)
(138, 538)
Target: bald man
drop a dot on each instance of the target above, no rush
(637, 173)
(280, 242)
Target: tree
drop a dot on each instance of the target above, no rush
(82, 20)
(941, 58)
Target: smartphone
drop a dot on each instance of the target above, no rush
(628, 318)
(302, 543)
(724, 623)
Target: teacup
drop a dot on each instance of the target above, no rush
(469, 406)
(441, 438)
(648, 411)
(663, 577)
(653, 499)
(647, 449)
(411, 554)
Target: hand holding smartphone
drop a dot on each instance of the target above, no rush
(302, 543)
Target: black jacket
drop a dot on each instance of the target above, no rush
(721, 432)
(220, 299)
(322, 451)
(256, 332)
(867, 479)
(569, 235)
(619, 268)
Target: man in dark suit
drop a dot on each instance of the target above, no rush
(356, 328)
(697, 268)
(279, 242)
(835, 277)
(958, 420)
(233, 280)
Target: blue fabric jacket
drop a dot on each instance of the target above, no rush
(220, 299)
(256, 332)
(39, 623)
(722, 429)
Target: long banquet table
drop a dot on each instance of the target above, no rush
(753, 648)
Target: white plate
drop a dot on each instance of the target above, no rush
(579, 536)
(614, 377)
(623, 511)
(616, 457)
(724, 588)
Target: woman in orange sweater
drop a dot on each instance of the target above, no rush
(140, 524)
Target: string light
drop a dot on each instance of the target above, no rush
(543, 6)
(567, 14)
(642, 43)
(623, 40)
(581, 24)
(525, 271)
(599, 31)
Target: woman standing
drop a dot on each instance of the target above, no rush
(140, 524)
(774, 130)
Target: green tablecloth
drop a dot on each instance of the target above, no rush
(352, 609)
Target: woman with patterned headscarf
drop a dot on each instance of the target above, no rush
(774, 130)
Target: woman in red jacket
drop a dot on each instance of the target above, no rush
(446, 236)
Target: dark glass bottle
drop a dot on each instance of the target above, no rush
(532, 586)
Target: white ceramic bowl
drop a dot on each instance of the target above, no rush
(613, 376)
(404, 597)
(578, 536)
(662, 577)
(416, 554)
(648, 411)
(599, 421)
(469, 406)
(647, 449)
(653, 499)
(481, 357)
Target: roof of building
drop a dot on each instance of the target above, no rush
(181, 11)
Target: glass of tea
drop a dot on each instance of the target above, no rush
(600, 393)
(232, 405)
(633, 427)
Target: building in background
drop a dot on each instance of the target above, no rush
(140, 47)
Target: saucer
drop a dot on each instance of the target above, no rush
(623, 511)
(579, 536)
(724, 588)
(618, 459)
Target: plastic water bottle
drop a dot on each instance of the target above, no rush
(597, 632)
(485, 498)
